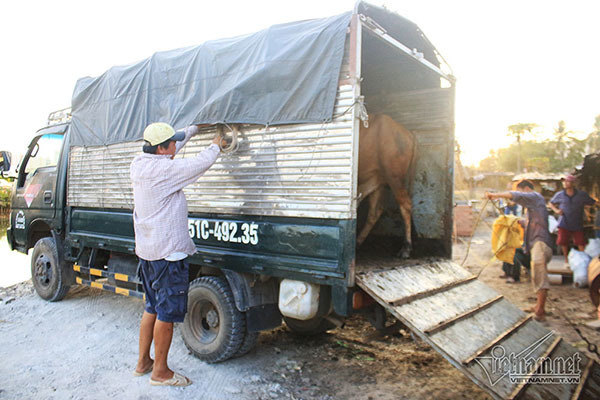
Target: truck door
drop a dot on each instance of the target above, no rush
(34, 200)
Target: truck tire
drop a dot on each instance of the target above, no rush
(248, 344)
(213, 329)
(310, 327)
(47, 272)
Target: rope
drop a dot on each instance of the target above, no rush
(234, 146)
(591, 347)
(362, 111)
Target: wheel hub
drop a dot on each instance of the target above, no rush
(205, 321)
(212, 318)
(43, 270)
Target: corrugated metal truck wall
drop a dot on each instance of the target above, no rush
(299, 170)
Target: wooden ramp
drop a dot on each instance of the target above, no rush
(494, 343)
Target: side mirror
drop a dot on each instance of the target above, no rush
(5, 157)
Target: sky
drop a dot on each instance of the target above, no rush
(515, 61)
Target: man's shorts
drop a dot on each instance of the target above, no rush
(541, 254)
(166, 287)
(564, 237)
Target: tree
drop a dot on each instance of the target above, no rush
(490, 163)
(560, 134)
(593, 139)
(518, 130)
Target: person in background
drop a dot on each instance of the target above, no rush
(510, 207)
(538, 243)
(569, 204)
(512, 272)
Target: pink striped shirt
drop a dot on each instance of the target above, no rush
(160, 215)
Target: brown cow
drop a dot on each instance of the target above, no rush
(386, 155)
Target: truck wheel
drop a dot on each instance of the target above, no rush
(213, 329)
(310, 327)
(248, 344)
(46, 272)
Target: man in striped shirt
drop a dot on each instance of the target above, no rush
(162, 241)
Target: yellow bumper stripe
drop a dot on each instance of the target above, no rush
(97, 285)
(122, 277)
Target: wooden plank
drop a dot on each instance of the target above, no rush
(406, 281)
(528, 342)
(480, 328)
(592, 389)
(431, 292)
(430, 311)
(519, 389)
(500, 337)
(558, 266)
(452, 321)
(582, 380)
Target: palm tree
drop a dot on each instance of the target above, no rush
(518, 130)
(593, 139)
(560, 134)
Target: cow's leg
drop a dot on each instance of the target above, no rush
(375, 211)
(368, 186)
(405, 203)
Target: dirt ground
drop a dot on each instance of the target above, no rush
(85, 347)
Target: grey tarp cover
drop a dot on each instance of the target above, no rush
(284, 74)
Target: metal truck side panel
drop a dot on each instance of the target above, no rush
(290, 171)
(298, 248)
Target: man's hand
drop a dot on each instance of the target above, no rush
(220, 141)
(501, 195)
(556, 210)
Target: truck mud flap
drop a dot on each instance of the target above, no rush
(494, 343)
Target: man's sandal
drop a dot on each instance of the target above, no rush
(146, 371)
(176, 380)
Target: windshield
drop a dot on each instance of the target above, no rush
(45, 153)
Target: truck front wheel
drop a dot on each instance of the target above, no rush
(46, 271)
(213, 329)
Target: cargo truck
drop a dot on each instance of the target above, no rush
(275, 219)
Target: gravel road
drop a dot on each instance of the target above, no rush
(85, 347)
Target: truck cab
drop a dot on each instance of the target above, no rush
(36, 206)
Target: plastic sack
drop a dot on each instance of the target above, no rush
(593, 248)
(552, 224)
(507, 236)
(579, 261)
